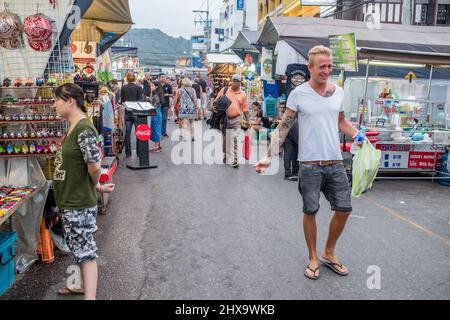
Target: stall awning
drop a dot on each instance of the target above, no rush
(104, 22)
(216, 58)
(246, 43)
(246, 40)
(129, 51)
(429, 44)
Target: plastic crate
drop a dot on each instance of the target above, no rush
(7, 255)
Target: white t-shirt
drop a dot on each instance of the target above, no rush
(318, 119)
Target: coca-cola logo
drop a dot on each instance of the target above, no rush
(143, 132)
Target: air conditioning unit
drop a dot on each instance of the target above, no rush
(372, 16)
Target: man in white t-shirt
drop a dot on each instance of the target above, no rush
(319, 108)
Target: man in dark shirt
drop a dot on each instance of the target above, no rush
(168, 93)
(131, 92)
(204, 86)
(198, 91)
(147, 80)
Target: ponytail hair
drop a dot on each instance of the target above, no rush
(70, 90)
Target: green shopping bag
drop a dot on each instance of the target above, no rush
(366, 164)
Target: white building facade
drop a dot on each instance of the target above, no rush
(234, 16)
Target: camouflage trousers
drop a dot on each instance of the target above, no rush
(79, 227)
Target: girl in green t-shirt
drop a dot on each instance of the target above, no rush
(76, 183)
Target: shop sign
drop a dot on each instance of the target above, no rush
(240, 4)
(395, 159)
(221, 34)
(345, 54)
(143, 132)
(393, 147)
(424, 160)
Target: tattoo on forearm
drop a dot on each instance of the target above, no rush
(279, 135)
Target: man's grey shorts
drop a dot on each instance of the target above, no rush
(331, 180)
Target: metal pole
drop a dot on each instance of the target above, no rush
(429, 82)
(359, 117)
(429, 105)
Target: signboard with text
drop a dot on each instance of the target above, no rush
(345, 54)
(240, 5)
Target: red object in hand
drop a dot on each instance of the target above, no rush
(247, 147)
(143, 132)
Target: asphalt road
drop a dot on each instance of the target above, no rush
(213, 232)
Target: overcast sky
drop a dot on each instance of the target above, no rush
(174, 17)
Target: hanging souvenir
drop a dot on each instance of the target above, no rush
(38, 29)
(10, 30)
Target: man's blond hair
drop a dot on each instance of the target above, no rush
(316, 51)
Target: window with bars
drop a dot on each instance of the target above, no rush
(390, 11)
(423, 14)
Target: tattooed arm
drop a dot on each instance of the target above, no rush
(346, 126)
(277, 139)
(280, 134)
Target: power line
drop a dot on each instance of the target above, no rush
(362, 3)
(201, 7)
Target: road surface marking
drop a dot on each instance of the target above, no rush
(414, 224)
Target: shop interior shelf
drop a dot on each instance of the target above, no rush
(31, 139)
(406, 100)
(31, 121)
(17, 206)
(28, 87)
(49, 155)
(28, 104)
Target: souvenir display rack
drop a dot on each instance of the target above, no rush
(29, 124)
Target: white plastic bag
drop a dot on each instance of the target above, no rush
(366, 163)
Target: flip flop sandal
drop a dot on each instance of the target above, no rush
(68, 292)
(314, 277)
(332, 265)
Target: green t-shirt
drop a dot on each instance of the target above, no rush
(73, 186)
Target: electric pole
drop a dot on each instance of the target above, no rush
(202, 17)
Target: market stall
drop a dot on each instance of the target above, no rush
(221, 67)
(30, 128)
(35, 57)
(399, 89)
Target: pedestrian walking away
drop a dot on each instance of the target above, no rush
(156, 96)
(131, 92)
(318, 106)
(168, 93)
(188, 108)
